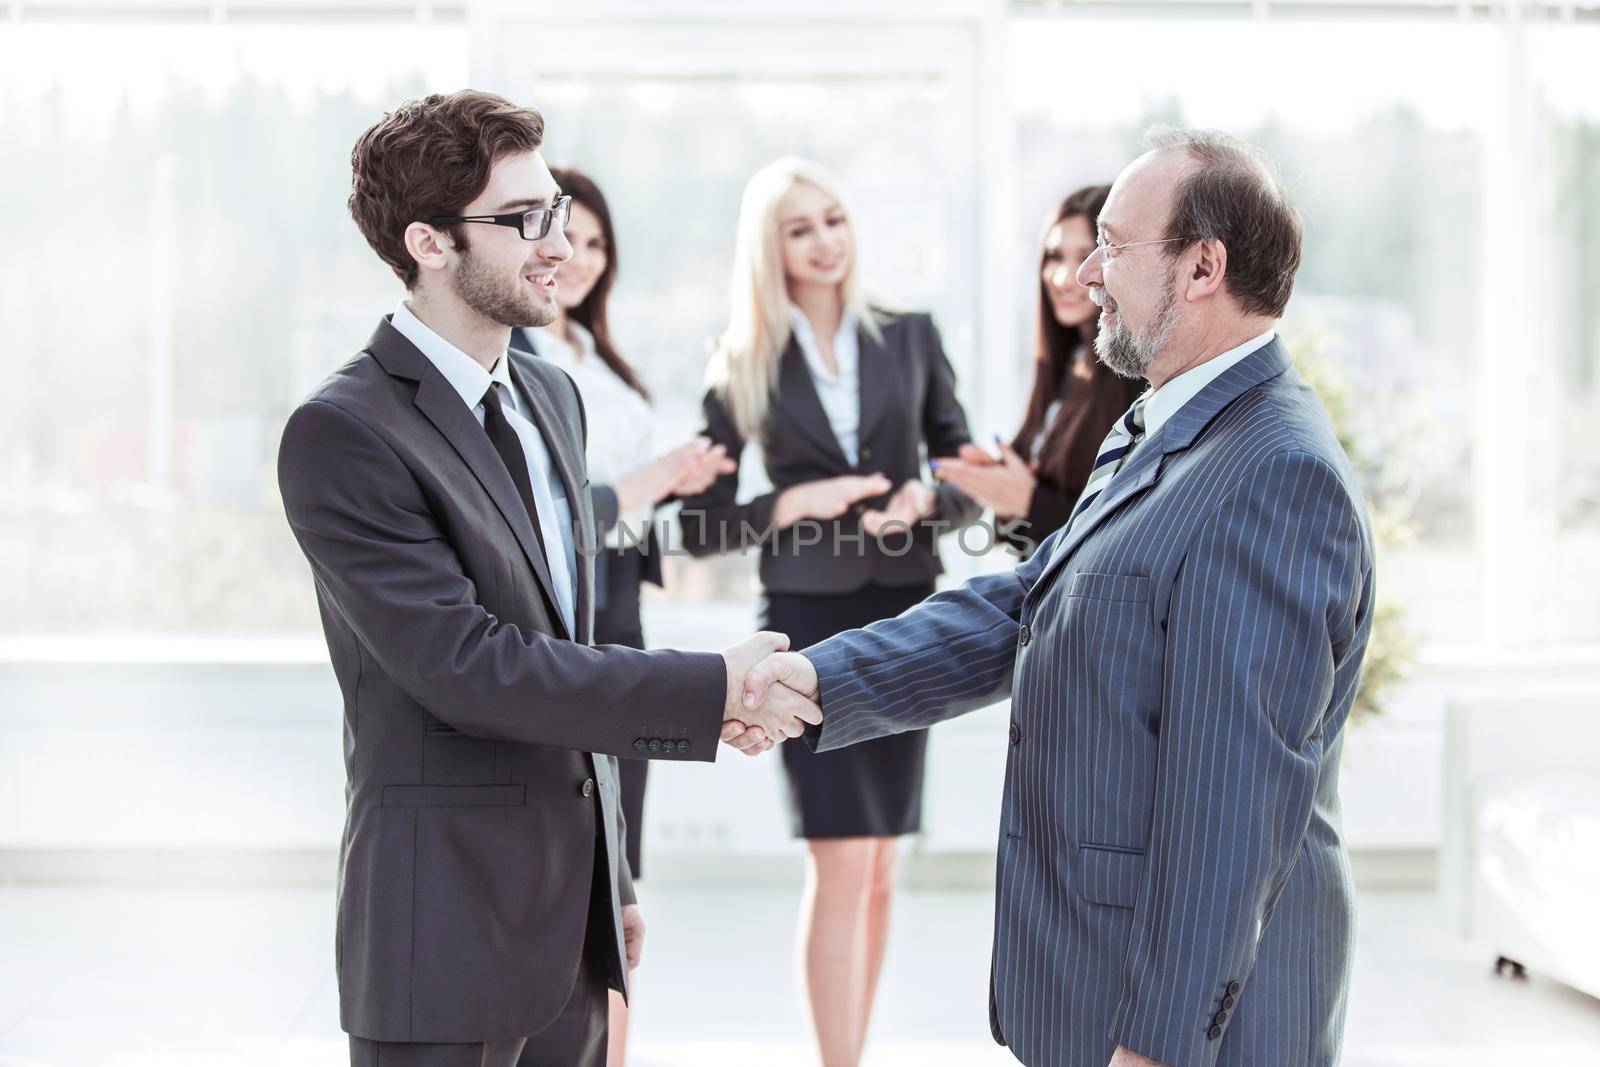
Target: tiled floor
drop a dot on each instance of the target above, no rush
(228, 978)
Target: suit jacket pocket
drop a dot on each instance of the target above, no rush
(453, 796)
(1110, 875)
(1126, 587)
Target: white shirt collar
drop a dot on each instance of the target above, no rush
(802, 324)
(1163, 403)
(465, 374)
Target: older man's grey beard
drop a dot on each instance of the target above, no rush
(1129, 354)
(492, 296)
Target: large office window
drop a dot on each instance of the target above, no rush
(1561, 299)
(184, 270)
(180, 271)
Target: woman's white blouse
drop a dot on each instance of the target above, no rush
(620, 421)
(840, 393)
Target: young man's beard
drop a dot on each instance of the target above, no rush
(1130, 354)
(491, 295)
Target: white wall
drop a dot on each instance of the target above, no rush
(156, 750)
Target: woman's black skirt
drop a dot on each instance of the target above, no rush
(872, 789)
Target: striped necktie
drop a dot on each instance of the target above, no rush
(1125, 433)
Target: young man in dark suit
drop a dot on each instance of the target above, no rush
(436, 484)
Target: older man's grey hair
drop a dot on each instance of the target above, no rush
(1232, 196)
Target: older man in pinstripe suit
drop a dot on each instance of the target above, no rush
(1181, 658)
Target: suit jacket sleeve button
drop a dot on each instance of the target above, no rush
(1215, 1032)
(1016, 733)
(588, 787)
(1233, 989)
(1025, 636)
(640, 745)
(683, 746)
(1228, 1002)
(655, 744)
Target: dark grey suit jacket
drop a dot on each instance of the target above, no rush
(908, 405)
(1181, 663)
(477, 730)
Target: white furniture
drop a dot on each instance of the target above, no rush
(1520, 863)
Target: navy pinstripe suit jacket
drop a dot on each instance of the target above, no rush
(1171, 875)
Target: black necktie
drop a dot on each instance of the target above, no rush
(509, 445)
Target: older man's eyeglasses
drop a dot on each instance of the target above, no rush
(1109, 251)
(534, 224)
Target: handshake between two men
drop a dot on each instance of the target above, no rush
(772, 694)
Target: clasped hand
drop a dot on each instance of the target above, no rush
(772, 694)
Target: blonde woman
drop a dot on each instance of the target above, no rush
(843, 397)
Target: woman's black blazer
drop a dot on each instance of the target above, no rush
(908, 405)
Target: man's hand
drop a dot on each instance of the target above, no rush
(633, 933)
(784, 715)
(751, 740)
(785, 684)
(911, 503)
(780, 671)
(1128, 1058)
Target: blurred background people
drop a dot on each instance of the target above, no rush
(843, 397)
(1033, 484)
(626, 482)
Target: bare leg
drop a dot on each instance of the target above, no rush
(880, 893)
(832, 936)
(617, 1024)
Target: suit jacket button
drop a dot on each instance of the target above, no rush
(1215, 1032)
(1220, 1018)
(641, 745)
(1233, 989)
(1016, 733)
(1026, 635)
(655, 744)
(683, 746)
(1228, 1002)
(588, 787)
(866, 455)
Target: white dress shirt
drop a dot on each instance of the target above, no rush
(620, 437)
(840, 393)
(1165, 402)
(467, 376)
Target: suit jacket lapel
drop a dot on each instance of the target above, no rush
(1142, 471)
(1180, 431)
(569, 466)
(522, 340)
(875, 371)
(442, 405)
(1266, 362)
(801, 403)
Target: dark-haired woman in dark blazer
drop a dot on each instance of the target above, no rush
(1033, 485)
(627, 478)
(843, 398)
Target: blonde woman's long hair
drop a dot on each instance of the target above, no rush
(744, 362)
